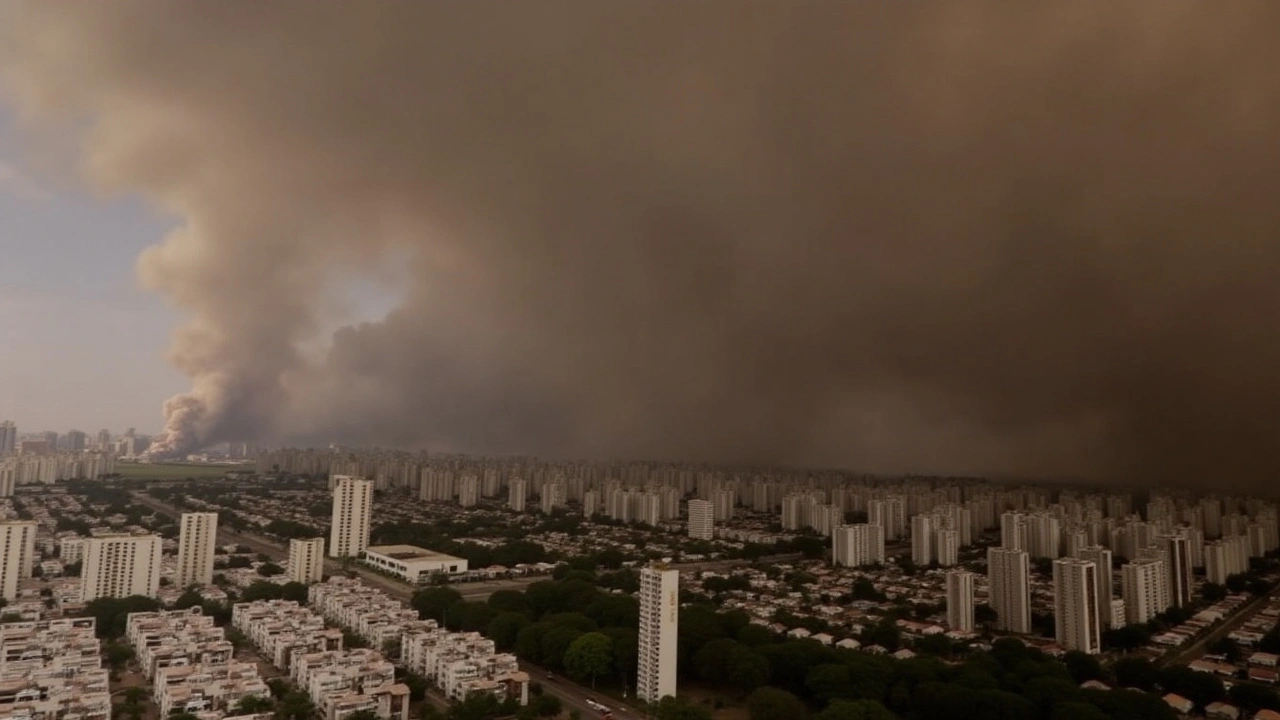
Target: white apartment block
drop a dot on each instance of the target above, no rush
(1145, 590)
(858, 545)
(469, 491)
(946, 547)
(281, 628)
(17, 555)
(306, 560)
(1101, 557)
(352, 505)
(339, 682)
(1009, 579)
(553, 496)
(71, 549)
(960, 600)
(1225, 557)
(52, 670)
(1077, 615)
(197, 539)
(191, 663)
(1176, 553)
(922, 540)
(659, 624)
(701, 520)
(517, 493)
(459, 663)
(120, 565)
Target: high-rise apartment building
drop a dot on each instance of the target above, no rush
(960, 600)
(659, 626)
(946, 551)
(8, 438)
(1101, 557)
(306, 560)
(120, 566)
(553, 494)
(857, 545)
(517, 492)
(922, 540)
(701, 520)
(1077, 615)
(1009, 578)
(197, 539)
(17, 555)
(1177, 556)
(469, 491)
(352, 505)
(1146, 593)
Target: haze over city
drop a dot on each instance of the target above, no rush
(949, 237)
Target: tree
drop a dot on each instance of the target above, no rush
(295, 705)
(504, 628)
(1213, 592)
(118, 653)
(1198, 687)
(1134, 672)
(672, 708)
(252, 704)
(589, 656)
(1254, 697)
(770, 703)
(546, 705)
(434, 602)
(1082, 666)
(188, 599)
(363, 715)
(855, 710)
(1227, 648)
(270, 569)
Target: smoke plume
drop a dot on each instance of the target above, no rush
(1025, 237)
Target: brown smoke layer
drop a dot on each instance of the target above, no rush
(1033, 237)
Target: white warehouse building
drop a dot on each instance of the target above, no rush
(412, 564)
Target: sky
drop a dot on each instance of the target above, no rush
(81, 345)
(922, 237)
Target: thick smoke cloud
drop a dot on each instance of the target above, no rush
(1025, 237)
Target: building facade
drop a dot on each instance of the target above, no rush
(1077, 615)
(960, 600)
(659, 625)
(1009, 578)
(701, 519)
(197, 539)
(18, 545)
(352, 505)
(120, 566)
(306, 560)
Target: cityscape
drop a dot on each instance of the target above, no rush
(345, 581)
(639, 360)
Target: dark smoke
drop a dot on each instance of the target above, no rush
(1030, 237)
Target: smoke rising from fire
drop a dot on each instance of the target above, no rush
(1035, 237)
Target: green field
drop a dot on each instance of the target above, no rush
(157, 471)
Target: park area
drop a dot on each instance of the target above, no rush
(170, 471)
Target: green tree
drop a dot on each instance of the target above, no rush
(1213, 592)
(589, 656)
(1082, 666)
(504, 629)
(295, 705)
(854, 710)
(1254, 697)
(770, 703)
(253, 704)
(672, 708)
(434, 602)
(546, 705)
(270, 569)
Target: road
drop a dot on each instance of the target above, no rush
(574, 696)
(1238, 618)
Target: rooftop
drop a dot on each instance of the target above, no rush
(408, 552)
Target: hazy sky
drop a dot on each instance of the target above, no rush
(935, 236)
(81, 345)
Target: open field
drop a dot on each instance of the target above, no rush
(156, 471)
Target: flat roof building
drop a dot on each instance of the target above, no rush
(412, 564)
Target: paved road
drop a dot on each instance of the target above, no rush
(1238, 618)
(574, 696)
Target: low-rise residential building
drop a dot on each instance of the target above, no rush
(412, 564)
(52, 670)
(339, 682)
(191, 663)
(459, 663)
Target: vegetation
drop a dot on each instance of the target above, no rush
(172, 471)
(570, 623)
